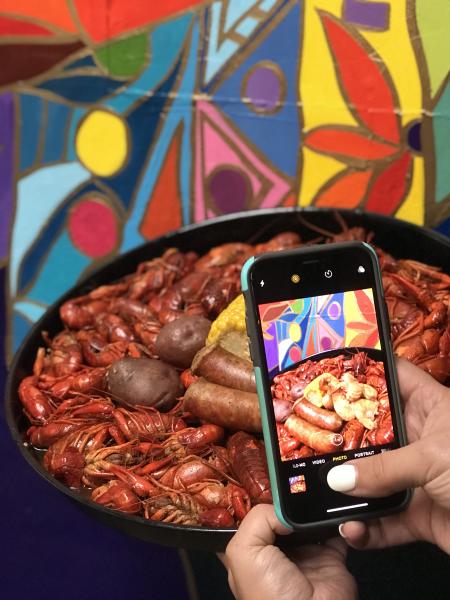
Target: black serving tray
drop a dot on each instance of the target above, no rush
(401, 239)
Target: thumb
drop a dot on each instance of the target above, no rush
(382, 474)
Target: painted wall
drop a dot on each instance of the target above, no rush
(122, 120)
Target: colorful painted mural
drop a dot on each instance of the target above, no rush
(123, 120)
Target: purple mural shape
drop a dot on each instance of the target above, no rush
(6, 169)
(374, 15)
(230, 189)
(414, 136)
(263, 89)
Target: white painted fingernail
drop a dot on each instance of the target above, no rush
(341, 531)
(342, 478)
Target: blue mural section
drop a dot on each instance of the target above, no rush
(55, 133)
(143, 120)
(273, 67)
(41, 247)
(181, 112)
(30, 108)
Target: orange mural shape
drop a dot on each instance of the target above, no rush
(54, 12)
(106, 19)
(347, 190)
(163, 212)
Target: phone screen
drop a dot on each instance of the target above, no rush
(324, 343)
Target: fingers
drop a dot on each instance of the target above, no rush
(415, 384)
(382, 533)
(257, 568)
(382, 474)
(260, 527)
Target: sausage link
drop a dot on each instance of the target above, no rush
(220, 366)
(223, 406)
(321, 440)
(352, 433)
(325, 419)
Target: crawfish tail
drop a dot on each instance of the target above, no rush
(249, 463)
(146, 425)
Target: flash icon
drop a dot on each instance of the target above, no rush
(261, 283)
(361, 269)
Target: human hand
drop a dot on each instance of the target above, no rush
(258, 569)
(424, 465)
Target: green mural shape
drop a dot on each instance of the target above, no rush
(124, 58)
(433, 20)
(441, 130)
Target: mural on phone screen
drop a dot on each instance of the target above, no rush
(326, 369)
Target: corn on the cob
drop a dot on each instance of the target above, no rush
(230, 319)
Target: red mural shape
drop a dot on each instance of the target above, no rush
(380, 162)
(15, 26)
(390, 186)
(347, 142)
(93, 227)
(363, 81)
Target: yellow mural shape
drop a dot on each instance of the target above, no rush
(295, 333)
(102, 142)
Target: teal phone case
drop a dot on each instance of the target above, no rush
(263, 410)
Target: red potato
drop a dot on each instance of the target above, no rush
(326, 419)
(144, 382)
(224, 406)
(179, 341)
(321, 440)
(224, 368)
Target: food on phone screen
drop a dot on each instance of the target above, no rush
(321, 440)
(297, 484)
(356, 392)
(327, 419)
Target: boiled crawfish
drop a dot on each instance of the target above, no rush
(248, 460)
(140, 461)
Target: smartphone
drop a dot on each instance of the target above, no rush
(320, 342)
